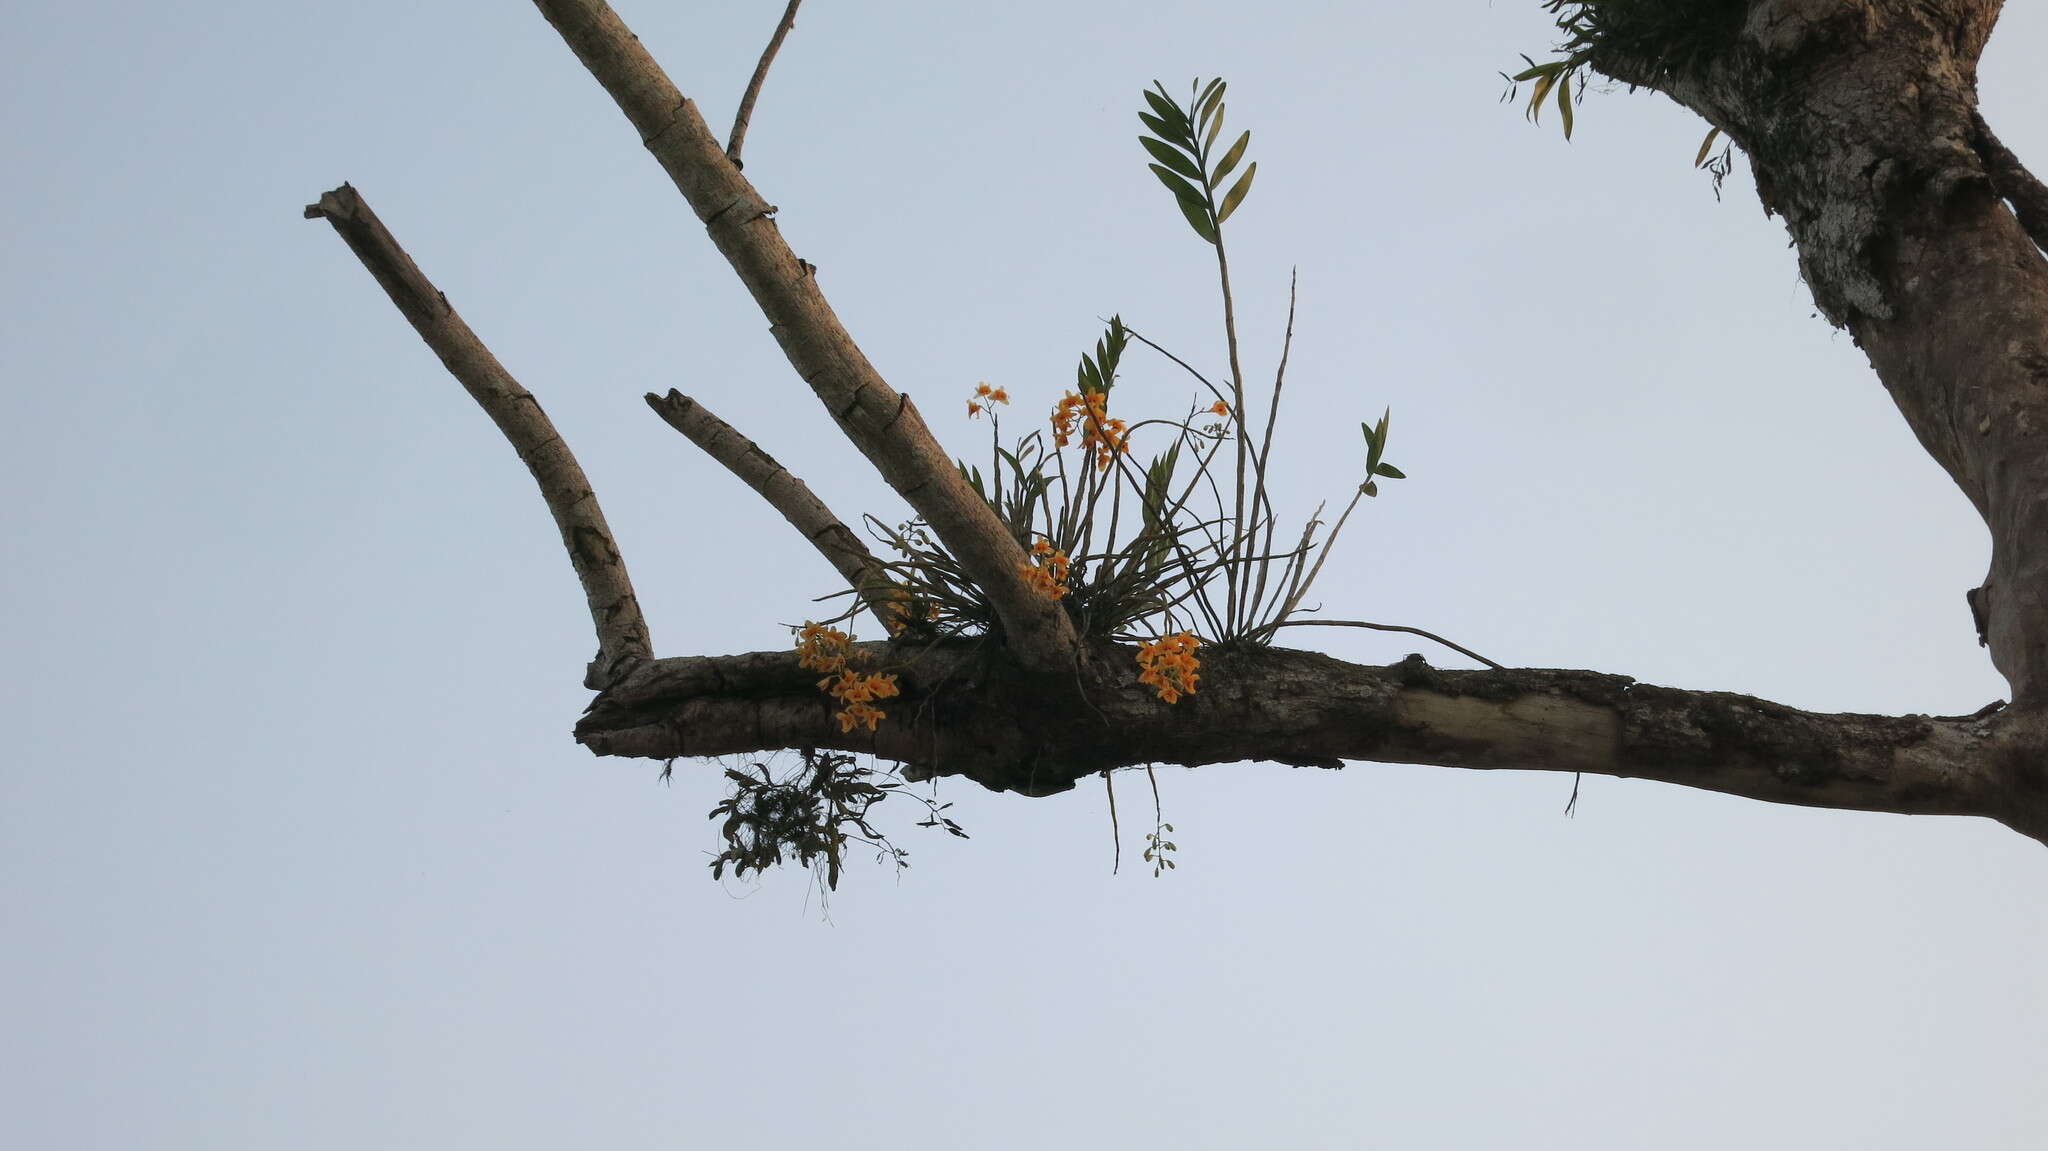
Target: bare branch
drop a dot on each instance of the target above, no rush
(786, 494)
(621, 629)
(746, 112)
(2018, 186)
(959, 715)
(882, 423)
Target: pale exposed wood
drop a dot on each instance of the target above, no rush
(883, 424)
(786, 494)
(622, 638)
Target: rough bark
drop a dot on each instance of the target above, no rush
(965, 712)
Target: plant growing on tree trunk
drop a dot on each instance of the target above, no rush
(1917, 232)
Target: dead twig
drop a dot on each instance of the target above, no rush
(786, 494)
(746, 112)
(621, 629)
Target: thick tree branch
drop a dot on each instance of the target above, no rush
(621, 629)
(962, 714)
(745, 115)
(884, 425)
(786, 494)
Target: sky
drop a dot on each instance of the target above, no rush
(295, 848)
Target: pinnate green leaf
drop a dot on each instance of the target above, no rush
(1158, 127)
(1230, 159)
(1171, 157)
(1170, 112)
(1236, 194)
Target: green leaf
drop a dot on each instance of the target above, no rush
(1215, 126)
(1530, 73)
(1172, 157)
(1210, 100)
(1564, 106)
(1390, 471)
(1198, 219)
(1183, 191)
(1229, 160)
(1236, 194)
(1168, 111)
(1377, 440)
(1370, 488)
(1159, 127)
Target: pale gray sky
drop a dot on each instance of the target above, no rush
(295, 850)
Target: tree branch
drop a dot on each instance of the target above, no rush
(786, 494)
(961, 714)
(746, 113)
(621, 629)
(883, 424)
(2027, 195)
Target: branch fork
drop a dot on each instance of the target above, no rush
(1047, 709)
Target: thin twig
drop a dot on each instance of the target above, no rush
(746, 112)
(1388, 627)
(786, 494)
(621, 628)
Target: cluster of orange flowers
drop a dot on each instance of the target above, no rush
(1169, 664)
(899, 609)
(1220, 408)
(1047, 570)
(827, 649)
(1098, 431)
(984, 396)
